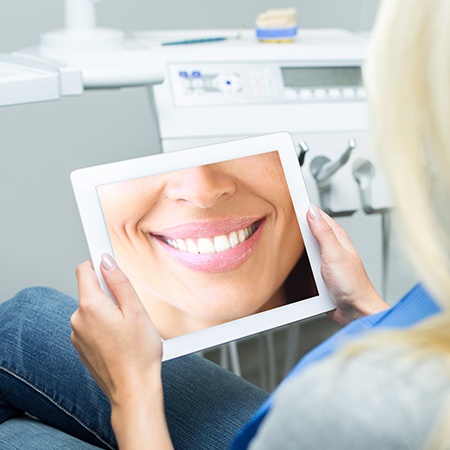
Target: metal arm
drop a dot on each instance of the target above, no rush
(303, 150)
(364, 172)
(323, 170)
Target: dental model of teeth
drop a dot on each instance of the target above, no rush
(277, 25)
(216, 244)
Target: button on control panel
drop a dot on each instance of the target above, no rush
(227, 82)
(197, 84)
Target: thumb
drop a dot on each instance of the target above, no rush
(118, 283)
(322, 231)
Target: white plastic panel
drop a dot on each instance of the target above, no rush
(25, 81)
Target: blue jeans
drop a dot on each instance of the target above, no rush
(41, 375)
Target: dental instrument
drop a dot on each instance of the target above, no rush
(364, 173)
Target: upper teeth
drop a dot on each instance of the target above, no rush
(216, 244)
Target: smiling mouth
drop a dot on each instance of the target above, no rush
(216, 244)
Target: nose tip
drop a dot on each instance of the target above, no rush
(201, 186)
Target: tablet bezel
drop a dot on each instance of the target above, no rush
(85, 182)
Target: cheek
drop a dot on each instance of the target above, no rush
(296, 246)
(124, 219)
(130, 245)
(292, 245)
(122, 214)
(269, 184)
(126, 204)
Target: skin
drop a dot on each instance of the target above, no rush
(203, 202)
(344, 274)
(121, 347)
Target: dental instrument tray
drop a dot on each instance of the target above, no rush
(213, 239)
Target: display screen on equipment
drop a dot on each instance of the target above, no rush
(311, 77)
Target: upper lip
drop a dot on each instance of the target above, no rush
(205, 229)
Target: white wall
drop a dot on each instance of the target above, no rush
(41, 240)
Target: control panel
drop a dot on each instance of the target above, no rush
(201, 84)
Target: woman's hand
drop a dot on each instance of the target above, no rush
(343, 271)
(122, 349)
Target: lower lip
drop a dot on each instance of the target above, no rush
(216, 262)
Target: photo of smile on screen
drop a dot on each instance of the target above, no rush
(214, 240)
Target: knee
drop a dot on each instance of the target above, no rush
(38, 303)
(39, 294)
(37, 317)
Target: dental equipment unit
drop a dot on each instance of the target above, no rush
(80, 56)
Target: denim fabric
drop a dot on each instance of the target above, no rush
(26, 433)
(41, 374)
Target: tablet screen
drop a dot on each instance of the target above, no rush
(209, 244)
(214, 239)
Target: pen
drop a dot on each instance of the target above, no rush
(195, 41)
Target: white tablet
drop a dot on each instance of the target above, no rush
(214, 239)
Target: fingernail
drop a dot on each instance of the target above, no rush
(108, 262)
(314, 212)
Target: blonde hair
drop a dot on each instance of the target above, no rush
(407, 76)
(408, 80)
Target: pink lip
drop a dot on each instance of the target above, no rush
(211, 262)
(199, 229)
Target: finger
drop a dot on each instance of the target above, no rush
(322, 231)
(118, 283)
(75, 341)
(74, 320)
(339, 232)
(88, 285)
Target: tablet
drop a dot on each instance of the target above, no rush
(213, 239)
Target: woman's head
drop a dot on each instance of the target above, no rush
(216, 242)
(408, 80)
